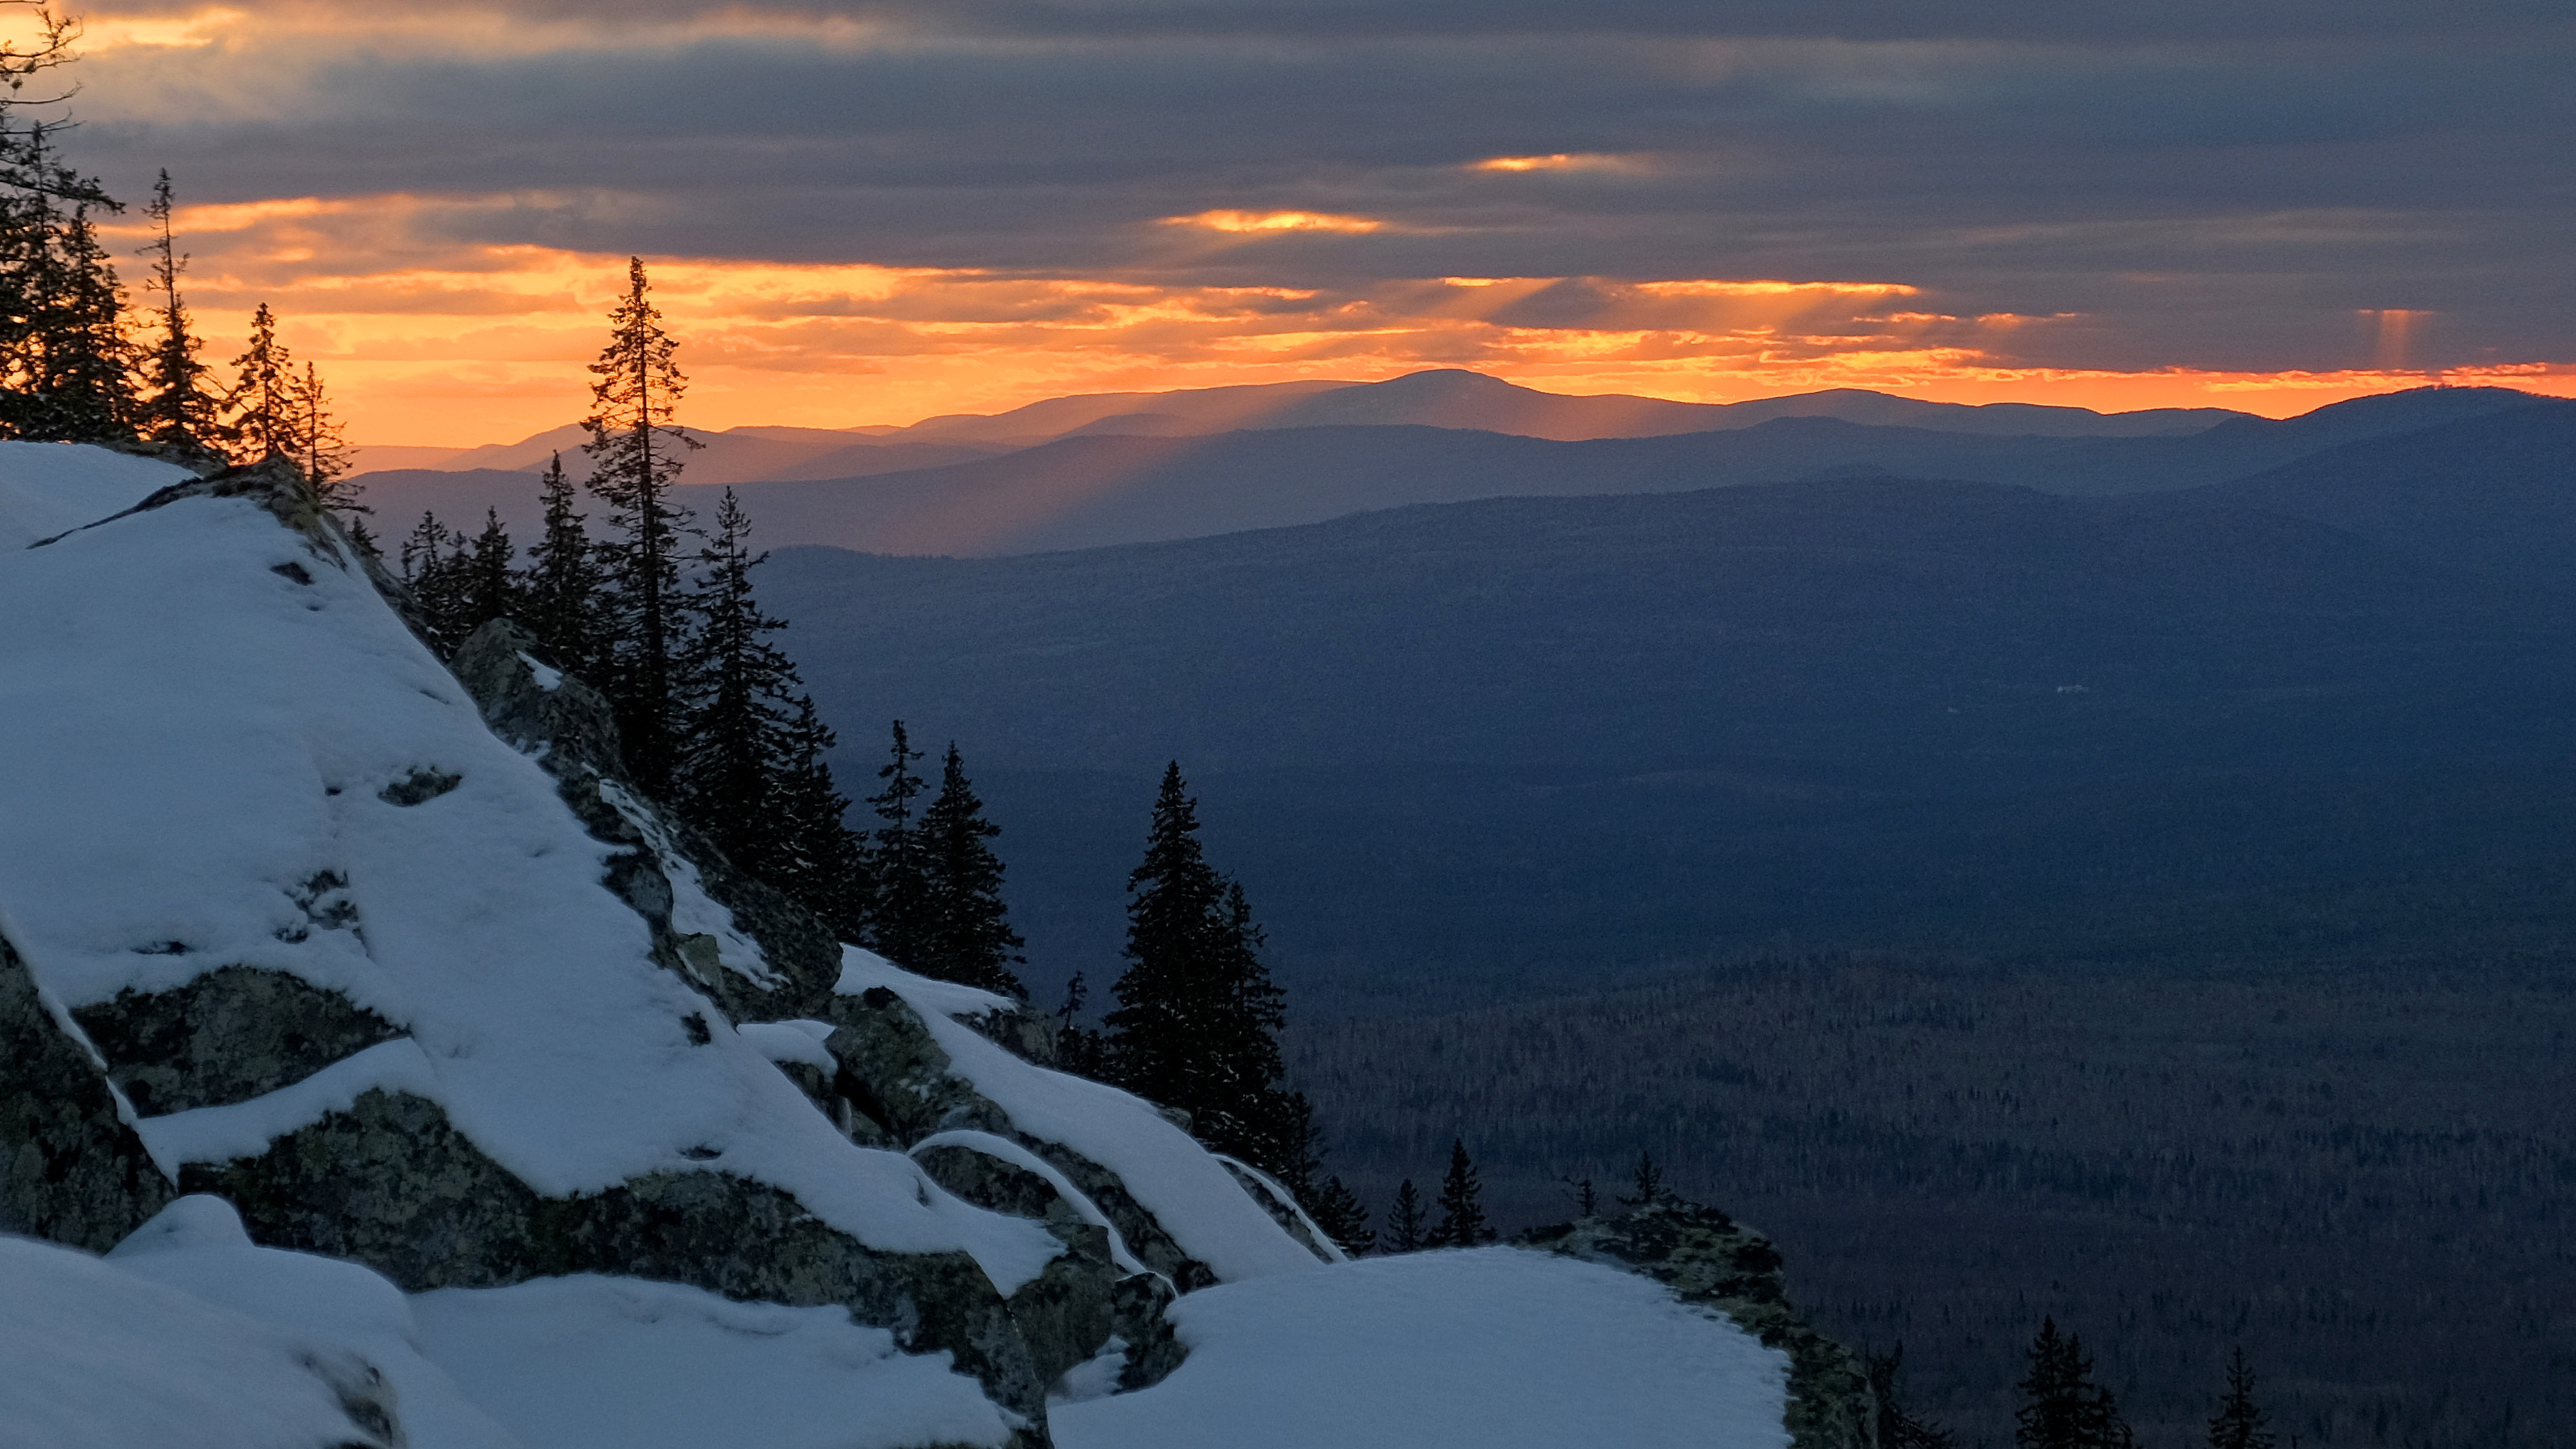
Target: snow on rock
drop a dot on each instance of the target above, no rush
(1493, 1348)
(97, 1357)
(235, 729)
(1025, 1160)
(197, 1246)
(51, 488)
(619, 1363)
(1186, 1188)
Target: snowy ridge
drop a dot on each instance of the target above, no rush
(232, 814)
(1027, 1161)
(1182, 1184)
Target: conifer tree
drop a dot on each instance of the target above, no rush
(1462, 1208)
(262, 403)
(2240, 1422)
(2062, 1408)
(967, 936)
(486, 588)
(1198, 1020)
(1344, 1219)
(433, 565)
(1404, 1230)
(1898, 1429)
(1645, 1185)
(826, 869)
(560, 593)
(736, 690)
(320, 448)
(64, 356)
(898, 872)
(175, 410)
(635, 449)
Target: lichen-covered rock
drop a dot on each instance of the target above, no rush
(572, 732)
(71, 1169)
(225, 1037)
(898, 1077)
(1710, 1260)
(391, 1184)
(1140, 1310)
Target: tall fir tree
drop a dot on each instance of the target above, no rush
(561, 591)
(2061, 1407)
(635, 448)
(2240, 1422)
(1198, 1020)
(898, 869)
(1645, 1183)
(1463, 1223)
(176, 410)
(968, 936)
(735, 690)
(261, 412)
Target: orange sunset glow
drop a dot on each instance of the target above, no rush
(476, 344)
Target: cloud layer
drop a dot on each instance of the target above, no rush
(1092, 192)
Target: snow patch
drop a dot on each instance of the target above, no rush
(791, 1041)
(1020, 1157)
(244, 1129)
(693, 911)
(1181, 1183)
(619, 1363)
(52, 488)
(548, 678)
(1491, 1348)
(98, 1357)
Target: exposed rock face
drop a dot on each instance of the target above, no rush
(1710, 1260)
(70, 1168)
(573, 732)
(896, 1075)
(227, 1036)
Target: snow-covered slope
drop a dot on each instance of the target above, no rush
(505, 1122)
(222, 706)
(1493, 1348)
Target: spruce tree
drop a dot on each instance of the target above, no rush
(486, 589)
(1197, 1025)
(1344, 1219)
(736, 690)
(1898, 1429)
(64, 356)
(899, 873)
(967, 936)
(560, 594)
(433, 564)
(2240, 1421)
(321, 450)
(175, 410)
(826, 869)
(2062, 1408)
(262, 406)
(1645, 1184)
(1404, 1230)
(635, 449)
(1462, 1208)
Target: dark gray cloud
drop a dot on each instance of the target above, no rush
(2216, 185)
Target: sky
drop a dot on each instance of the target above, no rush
(857, 212)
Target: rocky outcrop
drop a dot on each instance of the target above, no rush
(227, 1036)
(895, 1074)
(1710, 1260)
(70, 1168)
(572, 732)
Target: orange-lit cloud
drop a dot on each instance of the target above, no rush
(1560, 161)
(1259, 221)
(430, 341)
